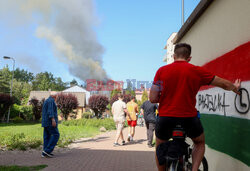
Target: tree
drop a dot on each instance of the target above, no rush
(4, 83)
(37, 108)
(98, 104)
(23, 76)
(73, 83)
(21, 90)
(59, 85)
(5, 102)
(66, 103)
(126, 98)
(114, 92)
(43, 81)
(144, 96)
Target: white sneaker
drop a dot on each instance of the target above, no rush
(131, 139)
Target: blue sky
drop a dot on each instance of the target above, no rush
(133, 34)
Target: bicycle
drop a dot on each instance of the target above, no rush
(176, 153)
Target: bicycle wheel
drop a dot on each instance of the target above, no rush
(173, 166)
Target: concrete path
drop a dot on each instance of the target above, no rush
(92, 154)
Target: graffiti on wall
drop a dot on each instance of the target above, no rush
(213, 103)
(242, 102)
(219, 103)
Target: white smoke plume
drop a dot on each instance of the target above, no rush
(69, 27)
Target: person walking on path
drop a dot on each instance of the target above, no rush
(119, 110)
(148, 109)
(50, 124)
(132, 118)
(175, 88)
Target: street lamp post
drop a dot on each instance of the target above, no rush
(7, 57)
(183, 20)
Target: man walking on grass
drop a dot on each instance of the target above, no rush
(119, 110)
(50, 125)
(131, 118)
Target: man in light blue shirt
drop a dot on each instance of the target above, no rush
(50, 124)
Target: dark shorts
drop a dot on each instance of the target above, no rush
(165, 125)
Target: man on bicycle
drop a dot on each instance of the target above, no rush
(175, 88)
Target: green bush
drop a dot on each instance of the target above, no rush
(17, 119)
(25, 112)
(21, 142)
(108, 123)
(87, 115)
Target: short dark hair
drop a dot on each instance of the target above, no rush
(182, 50)
(132, 97)
(120, 95)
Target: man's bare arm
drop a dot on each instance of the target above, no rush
(154, 95)
(126, 111)
(227, 85)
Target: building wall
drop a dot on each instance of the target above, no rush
(170, 49)
(220, 42)
(224, 26)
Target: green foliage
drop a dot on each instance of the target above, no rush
(22, 168)
(23, 111)
(5, 77)
(144, 96)
(23, 136)
(87, 115)
(21, 90)
(45, 81)
(131, 92)
(139, 102)
(114, 92)
(107, 123)
(73, 83)
(20, 142)
(5, 102)
(22, 75)
(17, 119)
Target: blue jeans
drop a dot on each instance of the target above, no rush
(50, 138)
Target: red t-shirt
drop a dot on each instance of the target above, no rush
(179, 83)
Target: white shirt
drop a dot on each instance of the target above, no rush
(118, 109)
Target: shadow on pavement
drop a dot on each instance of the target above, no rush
(98, 139)
(86, 159)
(140, 141)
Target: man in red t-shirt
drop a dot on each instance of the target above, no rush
(175, 88)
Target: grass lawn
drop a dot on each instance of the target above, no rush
(22, 168)
(25, 135)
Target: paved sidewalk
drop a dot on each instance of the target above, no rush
(92, 154)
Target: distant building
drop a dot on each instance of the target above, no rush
(139, 92)
(79, 90)
(169, 58)
(40, 95)
(104, 88)
(81, 94)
